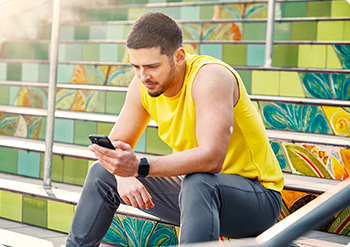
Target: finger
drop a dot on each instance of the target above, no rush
(147, 199)
(121, 145)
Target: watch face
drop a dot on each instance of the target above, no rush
(143, 168)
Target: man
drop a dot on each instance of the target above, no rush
(232, 179)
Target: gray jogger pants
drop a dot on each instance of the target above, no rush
(207, 205)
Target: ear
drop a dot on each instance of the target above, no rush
(179, 56)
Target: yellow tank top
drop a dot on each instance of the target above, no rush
(249, 154)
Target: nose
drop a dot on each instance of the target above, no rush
(144, 75)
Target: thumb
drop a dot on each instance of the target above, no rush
(121, 145)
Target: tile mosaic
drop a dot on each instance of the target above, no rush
(59, 216)
(65, 73)
(312, 56)
(14, 71)
(304, 30)
(44, 72)
(67, 32)
(30, 72)
(330, 31)
(135, 13)
(4, 95)
(190, 13)
(9, 159)
(81, 32)
(290, 85)
(109, 52)
(28, 163)
(340, 9)
(255, 55)
(154, 144)
(319, 9)
(141, 144)
(115, 32)
(332, 61)
(75, 170)
(246, 76)
(294, 9)
(64, 130)
(34, 211)
(214, 50)
(97, 32)
(11, 206)
(254, 31)
(235, 54)
(282, 31)
(82, 130)
(265, 82)
(114, 102)
(3, 71)
(285, 56)
(91, 52)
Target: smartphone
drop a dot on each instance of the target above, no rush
(101, 140)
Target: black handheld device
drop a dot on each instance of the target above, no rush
(101, 140)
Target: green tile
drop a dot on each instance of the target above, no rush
(97, 15)
(173, 12)
(65, 73)
(44, 72)
(122, 51)
(340, 9)
(28, 163)
(109, 52)
(14, 72)
(285, 56)
(30, 72)
(154, 144)
(133, 2)
(42, 134)
(91, 52)
(246, 76)
(64, 130)
(235, 54)
(332, 61)
(119, 15)
(97, 32)
(20, 51)
(104, 128)
(304, 30)
(73, 52)
(190, 13)
(101, 102)
(35, 211)
(282, 31)
(254, 31)
(214, 50)
(60, 216)
(265, 82)
(115, 102)
(67, 32)
(135, 13)
(290, 85)
(57, 167)
(11, 206)
(41, 51)
(4, 95)
(330, 31)
(115, 32)
(319, 9)
(3, 71)
(11, 157)
(81, 33)
(312, 56)
(207, 12)
(294, 9)
(75, 170)
(82, 130)
(13, 94)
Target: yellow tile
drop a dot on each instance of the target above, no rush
(332, 61)
(312, 56)
(291, 85)
(60, 216)
(11, 206)
(265, 82)
(330, 31)
(347, 30)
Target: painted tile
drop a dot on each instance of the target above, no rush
(343, 53)
(339, 120)
(60, 216)
(64, 130)
(3, 71)
(14, 71)
(81, 32)
(82, 130)
(340, 9)
(246, 76)
(65, 73)
(254, 31)
(109, 52)
(11, 206)
(154, 144)
(312, 56)
(255, 55)
(141, 144)
(214, 50)
(115, 32)
(30, 72)
(190, 13)
(290, 85)
(44, 72)
(135, 13)
(330, 30)
(319, 9)
(9, 157)
(265, 82)
(285, 56)
(282, 31)
(114, 102)
(304, 30)
(97, 32)
(332, 61)
(34, 211)
(75, 170)
(294, 9)
(91, 52)
(28, 163)
(235, 54)
(67, 32)
(104, 128)
(4, 95)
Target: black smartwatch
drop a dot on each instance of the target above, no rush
(143, 168)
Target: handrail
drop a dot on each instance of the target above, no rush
(310, 216)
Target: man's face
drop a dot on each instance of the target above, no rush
(154, 70)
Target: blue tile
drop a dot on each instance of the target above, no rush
(62, 52)
(65, 73)
(214, 50)
(67, 32)
(115, 32)
(190, 13)
(64, 130)
(13, 94)
(97, 32)
(74, 52)
(44, 72)
(109, 52)
(141, 145)
(30, 72)
(255, 55)
(3, 71)
(28, 163)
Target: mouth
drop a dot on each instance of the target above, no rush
(150, 85)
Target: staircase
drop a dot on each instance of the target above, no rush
(303, 99)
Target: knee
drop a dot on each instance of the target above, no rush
(98, 173)
(197, 185)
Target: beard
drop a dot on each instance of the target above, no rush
(171, 80)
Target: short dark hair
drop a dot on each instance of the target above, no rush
(155, 30)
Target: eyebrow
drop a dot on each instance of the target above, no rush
(146, 65)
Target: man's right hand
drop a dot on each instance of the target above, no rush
(133, 193)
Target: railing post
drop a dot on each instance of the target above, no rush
(50, 120)
(269, 33)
